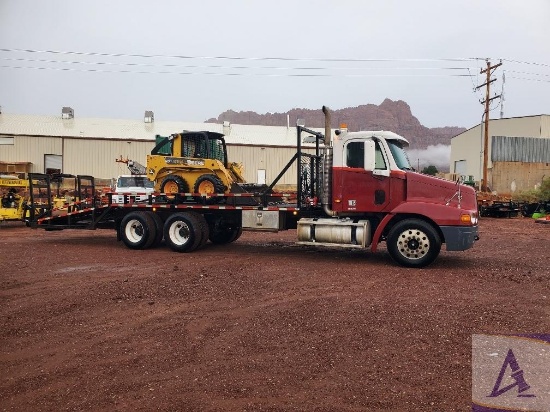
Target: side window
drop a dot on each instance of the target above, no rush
(355, 154)
(379, 161)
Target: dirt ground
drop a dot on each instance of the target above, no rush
(262, 324)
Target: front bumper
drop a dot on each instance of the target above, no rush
(459, 237)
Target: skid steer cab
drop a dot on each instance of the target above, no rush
(193, 162)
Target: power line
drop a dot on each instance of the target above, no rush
(69, 69)
(527, 79)
(80, 53)
(523, 62)
(225, 67)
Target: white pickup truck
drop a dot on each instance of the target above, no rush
(136, 187)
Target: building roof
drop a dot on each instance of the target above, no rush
(130, 129)
(543, 119)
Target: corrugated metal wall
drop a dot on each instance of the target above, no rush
(545, 126)
(270, 159)
(469, 145)
(97, 157)
(31, 149)
(520, 149)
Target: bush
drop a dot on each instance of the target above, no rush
(541, 194)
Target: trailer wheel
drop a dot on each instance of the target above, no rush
(159, 228)
(224, 236)
(138, 230)
(413, 243)
(172, 185)
(182, 232)
(207, 185)
(204, 230)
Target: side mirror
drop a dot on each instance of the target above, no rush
(369, 155)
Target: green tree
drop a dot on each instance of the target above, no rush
(430, 170)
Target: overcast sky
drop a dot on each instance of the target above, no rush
(200, 58)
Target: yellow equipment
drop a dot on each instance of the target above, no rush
(194, 162)
(14, 194)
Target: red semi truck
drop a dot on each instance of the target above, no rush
(356, 191)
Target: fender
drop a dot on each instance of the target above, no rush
(442, 215)
(379, 230)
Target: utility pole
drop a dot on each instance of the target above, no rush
(487, 100)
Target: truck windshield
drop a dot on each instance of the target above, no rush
(134, 181)
(399, 155)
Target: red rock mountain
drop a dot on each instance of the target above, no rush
(390, 115)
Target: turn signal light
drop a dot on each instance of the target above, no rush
(466, 219)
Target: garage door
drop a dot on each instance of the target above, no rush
(460, 167)
(53, 164)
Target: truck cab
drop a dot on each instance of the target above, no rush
(373, 180)
(137, 188)
(368, 171)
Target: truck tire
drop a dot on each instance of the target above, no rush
(138, 230)
(203, 227)
(182, 232)
(413, 243)
(172, 185)
(159, 224)
(206, 185)
(224, 236)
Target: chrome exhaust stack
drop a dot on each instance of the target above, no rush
(327, 166)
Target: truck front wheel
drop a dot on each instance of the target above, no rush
(413, 243)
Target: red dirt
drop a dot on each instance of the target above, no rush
(260, 324)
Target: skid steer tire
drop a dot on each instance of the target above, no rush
(207, 185)
(182, 232)
(173, 185)
(138, 230)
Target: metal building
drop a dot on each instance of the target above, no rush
(89, 146)
(518, 153)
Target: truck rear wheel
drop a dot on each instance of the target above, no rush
(138, 230)
(159, 228)
(203, 227)
(413, 243)
(182, 232)
(226, 235)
